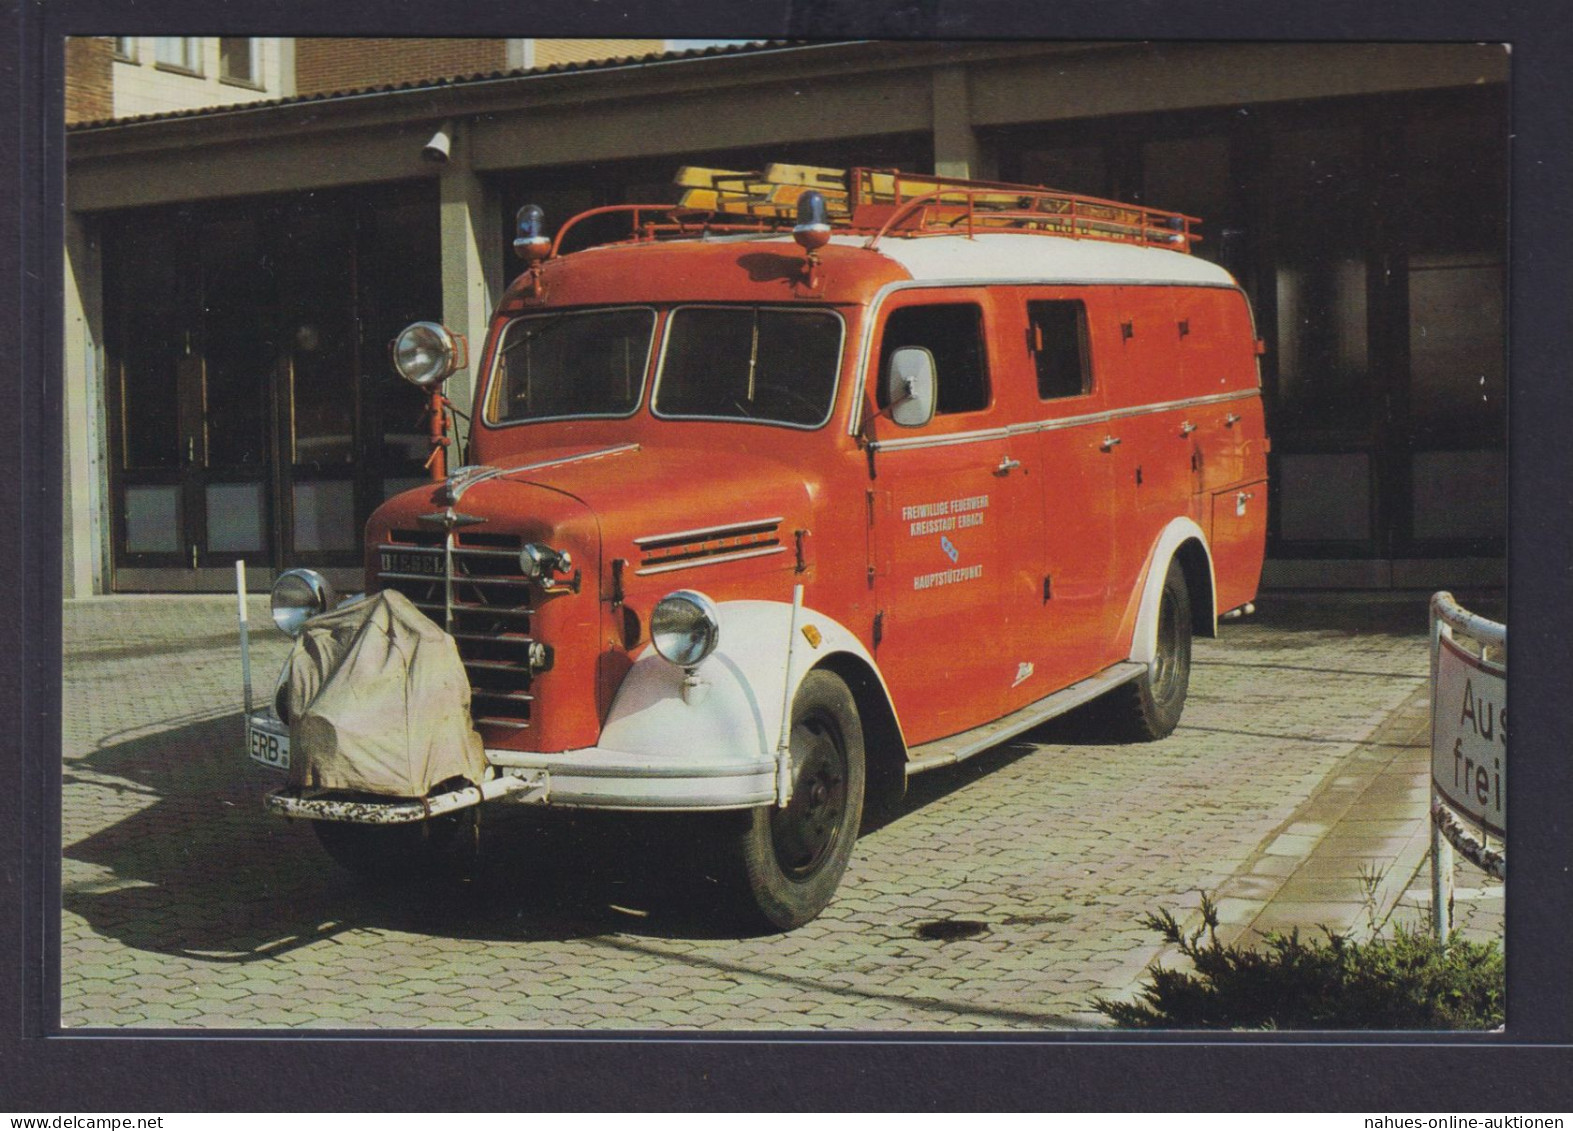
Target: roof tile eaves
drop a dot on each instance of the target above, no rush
(433, 84)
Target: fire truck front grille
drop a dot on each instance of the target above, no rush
(473, 586)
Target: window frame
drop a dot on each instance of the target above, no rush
(1083, 349)
(192, 50)
(129, 55)
(254, 50)
(835, 387)
(657, 330)
(942, 297)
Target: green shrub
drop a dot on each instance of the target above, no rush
(1409, 981)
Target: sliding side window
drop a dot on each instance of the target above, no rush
(1057, 340)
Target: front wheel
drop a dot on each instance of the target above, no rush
(1149, 707)
(793, 857)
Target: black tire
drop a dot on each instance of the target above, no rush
(793, 858)
(1150, 706)
(388, 854)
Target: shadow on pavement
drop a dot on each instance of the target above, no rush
(196, 868)
(202, 871)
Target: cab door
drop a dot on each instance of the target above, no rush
(941, 506)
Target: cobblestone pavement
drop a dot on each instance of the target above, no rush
(1005, 896)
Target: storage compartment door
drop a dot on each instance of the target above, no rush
(1239, 538)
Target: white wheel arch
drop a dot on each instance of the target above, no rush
(1144, 641)
(735, 714)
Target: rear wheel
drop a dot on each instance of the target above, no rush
(1149, 707)
(793, 857)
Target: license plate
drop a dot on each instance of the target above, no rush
(399, 561)
(268, 743)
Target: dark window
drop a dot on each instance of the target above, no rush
(953, 333)
(1083, 169)
(154, 343)
(751, 364)
(1192, 175)
(237, 61)
(589, 363)
(1318, 181)
(1057, 337)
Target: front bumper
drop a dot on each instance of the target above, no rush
(589, 778)
(596, 778)
(318, 806)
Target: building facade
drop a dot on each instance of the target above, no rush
(234, 277)
(131, 76)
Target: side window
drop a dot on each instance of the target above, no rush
(953, 333)
(1057, 339)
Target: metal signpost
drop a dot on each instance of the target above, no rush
(1468, 748)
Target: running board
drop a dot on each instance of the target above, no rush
(958, 747)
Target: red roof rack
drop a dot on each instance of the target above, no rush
(883, 203)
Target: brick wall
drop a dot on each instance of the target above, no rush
(550, 51)
(89, 95)
(326, 65)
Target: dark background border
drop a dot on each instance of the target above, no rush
(1531, 1069)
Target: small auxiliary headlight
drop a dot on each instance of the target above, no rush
(684, 627)
(539, 562)
(299, 595)
(425, 354)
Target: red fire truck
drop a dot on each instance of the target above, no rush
(816, 481)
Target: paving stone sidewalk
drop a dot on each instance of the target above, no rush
(1006, 896)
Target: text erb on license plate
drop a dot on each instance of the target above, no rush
(266, 745)
(399, 561)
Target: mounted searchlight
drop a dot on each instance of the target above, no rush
(813, 222)
(530, 241)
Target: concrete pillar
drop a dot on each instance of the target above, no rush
(471, 233)
(85, 491)
(955, 146)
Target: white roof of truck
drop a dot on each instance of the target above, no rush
(1004, 257)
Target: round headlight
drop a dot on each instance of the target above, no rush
(425, 354)
(684, 627)
(299, 595)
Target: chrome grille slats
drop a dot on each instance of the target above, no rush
(471, 583)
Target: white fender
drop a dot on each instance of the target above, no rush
(735, 717)
(1144, 642)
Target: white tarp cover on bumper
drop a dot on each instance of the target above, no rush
(378, 702)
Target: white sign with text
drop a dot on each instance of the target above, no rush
(1469, 735)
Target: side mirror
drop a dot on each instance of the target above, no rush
(909, 386)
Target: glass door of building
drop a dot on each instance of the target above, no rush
(193, 372)
(254, 413)
(318, 409)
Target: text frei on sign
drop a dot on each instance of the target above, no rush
(1469, 735)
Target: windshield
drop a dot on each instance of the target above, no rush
(750, 363)
(578, 363)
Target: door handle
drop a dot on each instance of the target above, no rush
(1007, 465)
(1231, 420)
(1187, 428)
(1109, 443)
